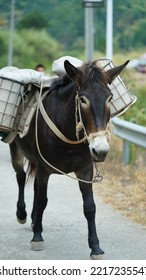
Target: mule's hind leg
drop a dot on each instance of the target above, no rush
(17, 162)
(40, 202)
(89, 212)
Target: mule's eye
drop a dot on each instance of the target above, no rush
(84, 101)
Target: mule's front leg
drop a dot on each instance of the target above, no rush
(40, 202)
(89, 212)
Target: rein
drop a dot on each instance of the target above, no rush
(79, 126)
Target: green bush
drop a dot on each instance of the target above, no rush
(30, 48)
(137, 112)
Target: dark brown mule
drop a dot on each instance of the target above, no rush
(90, 84)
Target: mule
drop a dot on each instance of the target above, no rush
(78, 105)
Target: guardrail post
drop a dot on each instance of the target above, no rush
(126, 152)
(130, 133)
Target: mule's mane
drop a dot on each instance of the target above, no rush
(60, 82)
(93, 73)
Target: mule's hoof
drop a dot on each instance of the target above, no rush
(97, 254)
(21, 221)
(21, 216)
(37, 245)
(97, 257)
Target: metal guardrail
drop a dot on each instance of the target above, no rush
(130, 133)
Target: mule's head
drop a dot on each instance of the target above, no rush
(95, 97)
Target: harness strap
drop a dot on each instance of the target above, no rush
(53, 126)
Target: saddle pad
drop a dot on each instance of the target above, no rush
(24, 76)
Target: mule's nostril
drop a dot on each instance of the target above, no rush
(94, 152)
(99, 153)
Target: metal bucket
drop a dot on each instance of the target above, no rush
(10, 98)
(122, 97)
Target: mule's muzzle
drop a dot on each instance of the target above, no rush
(99, 156)
(99, 148)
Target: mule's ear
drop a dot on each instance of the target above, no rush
(71, 70)
(114, 72)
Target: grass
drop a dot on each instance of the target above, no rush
(124, 187)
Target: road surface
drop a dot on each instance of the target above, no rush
(65, 229)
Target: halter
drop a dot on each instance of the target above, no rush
(79, 126)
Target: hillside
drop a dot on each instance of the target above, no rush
(64, 21)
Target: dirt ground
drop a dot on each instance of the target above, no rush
(124, 187)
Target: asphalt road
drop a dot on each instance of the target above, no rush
(65, 229)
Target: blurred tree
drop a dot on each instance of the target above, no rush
(30, 48)
(33, 20)
(3, 22)
(64, 21)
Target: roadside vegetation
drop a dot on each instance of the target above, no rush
(124, 186)
(58, 27)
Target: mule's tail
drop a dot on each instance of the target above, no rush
(31, 171)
